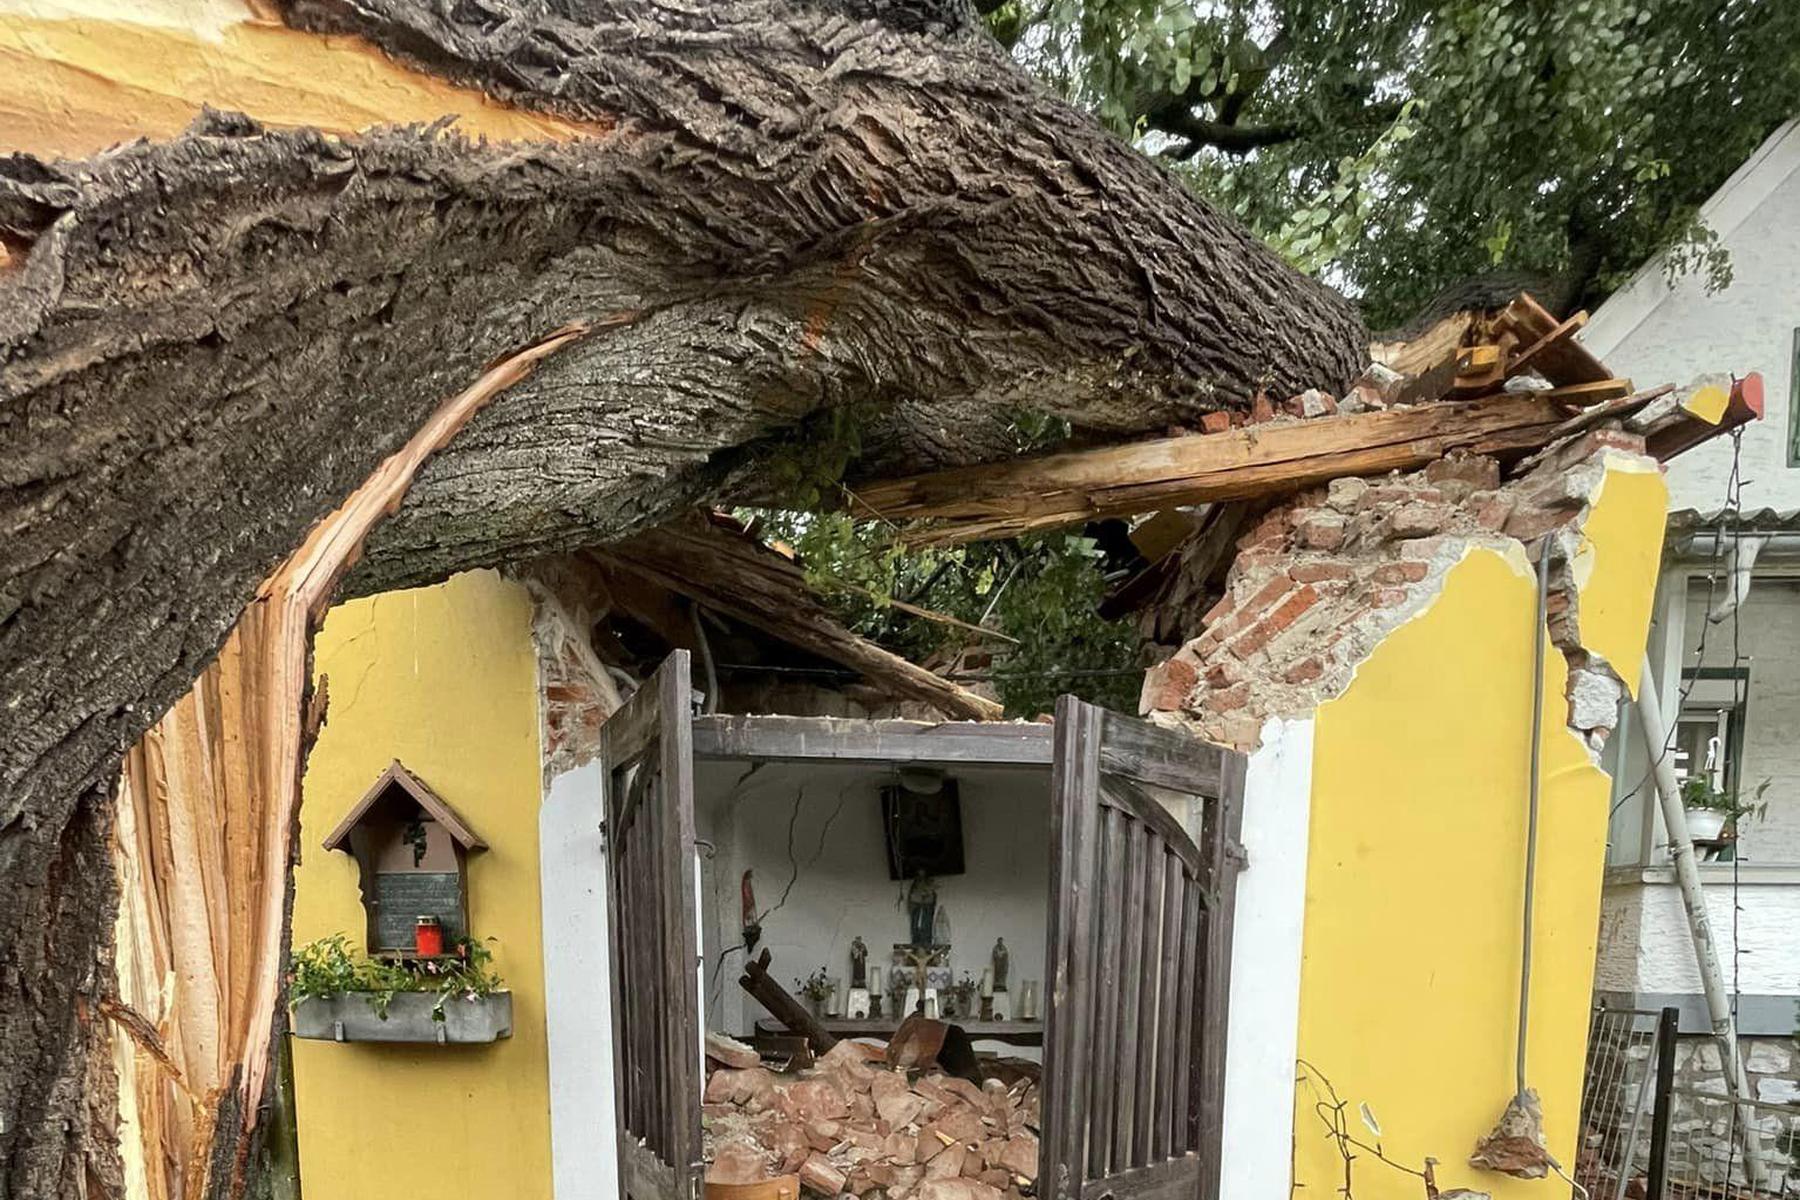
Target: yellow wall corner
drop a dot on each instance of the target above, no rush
(444, 679)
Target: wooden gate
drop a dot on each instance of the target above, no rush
(646, 757)
(1140, 949)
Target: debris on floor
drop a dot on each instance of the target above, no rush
(854, 1124)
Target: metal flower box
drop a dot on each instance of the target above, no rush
(350, 1017)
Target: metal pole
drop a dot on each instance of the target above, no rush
(1666, 1029)
(1693, 898)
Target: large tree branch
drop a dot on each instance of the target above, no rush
(206, 344)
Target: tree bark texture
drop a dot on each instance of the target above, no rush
(207, 343)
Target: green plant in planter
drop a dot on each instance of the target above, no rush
(1699, 794)
(815, 987)
(329, 967)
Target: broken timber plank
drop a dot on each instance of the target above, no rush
(1683, 430)
(782, 1006)
(1594, 392)
(726, 570)
(1563, 361)
(1010, 498)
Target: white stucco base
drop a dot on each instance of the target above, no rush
(1263, 1037)
(578, 1008)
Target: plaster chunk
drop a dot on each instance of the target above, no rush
(1594, 698)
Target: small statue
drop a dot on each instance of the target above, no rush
(921, 909)
(1000, 959)
(859, 963)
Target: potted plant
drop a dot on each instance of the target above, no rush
(1708, 808)
(343, 995)
(815, 989)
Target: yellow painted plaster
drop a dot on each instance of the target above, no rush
(75, 80)
(444, 679)
(1415, 873)
(1617, 564)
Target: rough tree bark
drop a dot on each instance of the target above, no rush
(205, 344)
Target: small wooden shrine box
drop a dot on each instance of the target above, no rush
(411, 850)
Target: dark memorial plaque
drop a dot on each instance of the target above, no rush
(402, 897)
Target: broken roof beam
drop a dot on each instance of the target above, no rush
(1020, 496)
(720, 568)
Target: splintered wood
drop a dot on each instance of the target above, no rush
(1501, 383)
(852, 1124)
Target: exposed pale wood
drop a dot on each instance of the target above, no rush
(204, 919)
(1430, 350)
(738, 576)
(1563, 331)
(1683, 431)
(846, 739)
(1265, 460)
(1595, 392)
(1607, 410)
(1563, 361)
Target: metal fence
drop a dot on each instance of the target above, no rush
(1706, 1156)
(1641, 1136)
(1617, 1101)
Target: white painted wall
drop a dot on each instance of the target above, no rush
(1262, 1040)
(1658, 333)
(577, 982)
(1645, 947)
(831, 816)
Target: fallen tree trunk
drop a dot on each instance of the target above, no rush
(206, 344)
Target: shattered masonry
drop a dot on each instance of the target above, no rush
(1321, 578)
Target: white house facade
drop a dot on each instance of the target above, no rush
(1725, 646)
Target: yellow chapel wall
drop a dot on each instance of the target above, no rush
(1415, 866)
(444, 679)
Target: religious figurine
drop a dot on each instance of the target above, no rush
(1000, 957)
(921, 909)
(858, 1002)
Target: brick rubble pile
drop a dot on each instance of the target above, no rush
(850, 1124)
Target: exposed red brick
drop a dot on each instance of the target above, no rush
(1477, 470)
(1167, 685)
(1320, 530)
(1387, 597)
(1304, 671)
(1224, 673)
(1415, 519)
(1491, 509)
(1291, 608)
(1398, 572)
(1268, 594)
(1252, 640)
(1318, 572)
(1217, 611)
(1228, 699)
(1215, 422)
(1261, 408)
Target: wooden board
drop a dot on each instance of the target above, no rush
(1005, 499)
(647, 791)
(1140, 952)
(842, 739)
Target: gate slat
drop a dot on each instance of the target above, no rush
(1144, 1072)
(1131, 988)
